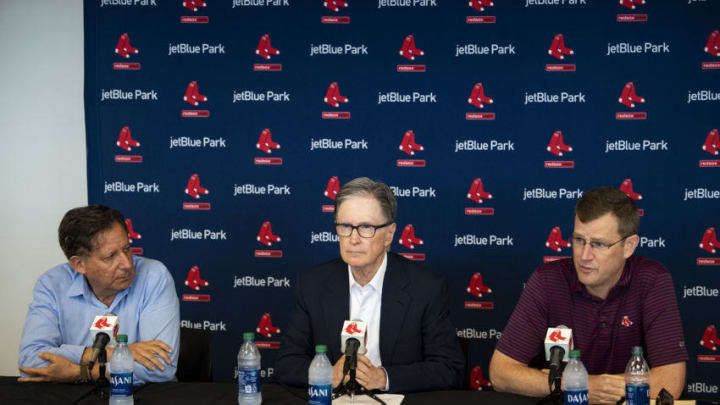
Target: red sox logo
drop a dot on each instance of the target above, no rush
(193, 5)
(558, 50)
(626, 322)
(265, 326)
(123, 47)
(131, 233)
(709, 240)
(193, 279)
(265, 49)
(710, 339)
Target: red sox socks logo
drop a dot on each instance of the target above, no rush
(477, 193)
(628, 96)
(709, 240)
(131, 233)
(265, 142)
(266, 236)
(710, 339)
(408, 49)
(125, 141)
(102, 323)
(557, 144)
(192, 94)
(408, 238)
(193, 5)
(555, 240)
(476, 286)
(335, 5)
(193, 279)
(333, 97)
(265, 49)
(631, 3)
(627, 188)
(194, 189)
(352, 328)
(332, 188)
(480, 5)
(713, 44)
(477, 382)
(558, 49)
(712, 142)
(123, 47)
(408, 144)
(478, 97)
(626, 322)
(265, 326)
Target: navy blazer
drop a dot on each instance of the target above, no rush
(418, 347)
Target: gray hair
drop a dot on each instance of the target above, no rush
(363, 186)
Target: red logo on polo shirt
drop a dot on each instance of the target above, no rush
(709, 240)
(123, 47)
(631, 4)
(626, 322)
(333, 96)
(408, 49)
(265, 142)
(408, 238)
(712, 143)
(710, 339)
(265, 326)
(192, 94)
(335, 5)
(266, 236)
(478, 97)
(557, 144)
(628, 97)
(627, 187)
(477, 193)
(712, 46)
(131, 233)
(476, 286)
(193, 279)
(193, 5)
(193, 188)
(555, 240)
(477, 382)
(480, 5)
(558, 50)
(265, 49)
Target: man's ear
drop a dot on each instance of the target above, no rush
(631, 243)
(77, 263)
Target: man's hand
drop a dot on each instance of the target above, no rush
(60, 370)
(147, 353)
(369, 376)
(605, 388)
(338, 371)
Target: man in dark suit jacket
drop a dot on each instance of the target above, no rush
(413, 346)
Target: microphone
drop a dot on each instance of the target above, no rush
(103, 331)
(352, 342)
(558, 342)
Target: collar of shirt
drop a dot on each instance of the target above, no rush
(377, 281)
(577, 287)
(80, 286)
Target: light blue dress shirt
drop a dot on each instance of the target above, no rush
(63, 308)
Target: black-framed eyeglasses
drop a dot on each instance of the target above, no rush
(364, 230)
(595, 246)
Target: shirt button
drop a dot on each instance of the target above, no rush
(603, 324)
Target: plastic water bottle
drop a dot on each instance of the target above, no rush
(249, 372)
(121, 373)
(637, 379)
(575, 381)
(320, 376)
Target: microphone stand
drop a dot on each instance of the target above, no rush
(102, 383)
(352, 387)
(555, 397)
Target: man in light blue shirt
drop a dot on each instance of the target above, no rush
(101, 277)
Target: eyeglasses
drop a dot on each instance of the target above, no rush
(595, 246)
(364, 230)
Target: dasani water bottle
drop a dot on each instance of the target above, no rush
(320, 376)
(575, 381)
(637, 379)
(121, 373)
(249, 372)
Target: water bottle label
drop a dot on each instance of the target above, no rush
(121, 384)
(579, 397)
(249, 381)
(320, 394)
(637, 394)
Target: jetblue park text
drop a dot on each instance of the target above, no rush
(473, 145)
(564, 97)
(189, 234)
(529, 3)
(700, 291)
(702, 388)
(205, 142)
(626, 48)
(703, 95)
(251, 189)
(332, 144)
(250, 95)
(470, 333)
(188, 49)
(137, 94)
(701, 194)
(541, 193)
(414, 192)
(316, 237)
(261, 3)
(490, 240)
(139, 187)
(494, 49)
(269, 281)
(104, 3)
(204, 325)
(329, 49)
(407, 3)
(415, 97)
(629, 146)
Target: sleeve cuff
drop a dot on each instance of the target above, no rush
(387, 380)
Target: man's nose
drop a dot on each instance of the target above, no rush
(587, 252)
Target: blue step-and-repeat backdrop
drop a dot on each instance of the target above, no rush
(223, 129)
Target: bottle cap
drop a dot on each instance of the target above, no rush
(121, 338)
(637, 350)
(249, 336)
(320, 349)
(575, 354)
